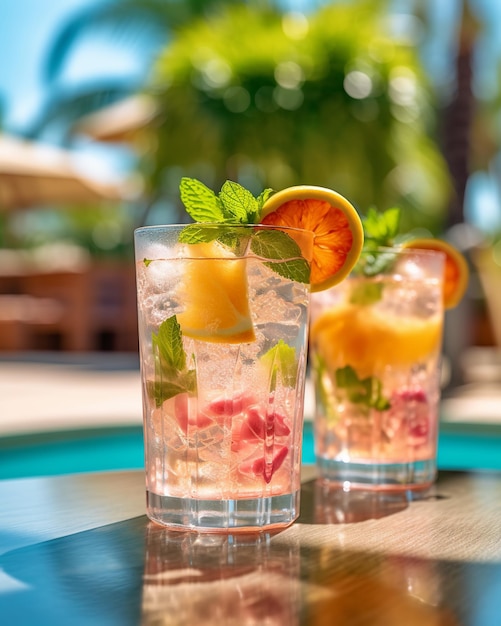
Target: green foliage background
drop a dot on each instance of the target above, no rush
(248, 96)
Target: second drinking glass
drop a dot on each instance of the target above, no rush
(375, 353)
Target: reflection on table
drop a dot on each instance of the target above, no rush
(352, 558)
(216, 579)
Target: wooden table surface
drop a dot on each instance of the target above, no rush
(78, 550)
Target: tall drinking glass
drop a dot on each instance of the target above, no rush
(223, 315)
(375, 356)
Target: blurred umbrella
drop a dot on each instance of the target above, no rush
(36, 174)
(120, 122)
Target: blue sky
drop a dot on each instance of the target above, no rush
(26, 26)
(26, 29)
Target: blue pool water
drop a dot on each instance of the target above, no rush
(461, 447)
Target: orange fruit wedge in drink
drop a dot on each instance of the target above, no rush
(348, 335)
(215, 295)
(456, 268)
(335, 223)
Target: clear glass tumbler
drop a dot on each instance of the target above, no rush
(223, 324)
(375, 346)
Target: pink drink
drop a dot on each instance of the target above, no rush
(223, 426)
(236, 447)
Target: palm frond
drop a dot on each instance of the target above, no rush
(65, 107)
(146, 22)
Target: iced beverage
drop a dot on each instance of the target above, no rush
(375, 357)
(222, 330)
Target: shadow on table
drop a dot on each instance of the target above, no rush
(322, 503)
(92, 577)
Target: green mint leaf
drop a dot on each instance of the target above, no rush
(261, 199)
(168, 344)
(171, 374)
(275, 244)
(366, 392)
(146, 262)
(162, 390)
(278, 245)
(198, 233)
(282, 362)
(381, 228)
(382, 404)
(239, 205)
(392, 219)
(201, 203)
(233, 204)
(236, 239)
(295, 269)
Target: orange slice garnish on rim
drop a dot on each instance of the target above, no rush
(335, 223)
(456, 268)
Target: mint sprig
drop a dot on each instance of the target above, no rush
(171, 373)
(216, 216)
(380, 230)
(234, 204)
(362, 391)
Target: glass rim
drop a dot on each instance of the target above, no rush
(405, 251)
(172, 227)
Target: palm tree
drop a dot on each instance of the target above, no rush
(459, 115)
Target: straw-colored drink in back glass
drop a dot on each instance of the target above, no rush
(375, 353)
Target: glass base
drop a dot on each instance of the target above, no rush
(378, 476)
(227, 516)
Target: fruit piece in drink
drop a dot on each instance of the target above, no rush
(215, 296)
(369, 340)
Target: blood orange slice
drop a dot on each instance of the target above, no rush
(456, 268)
(335, 223)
